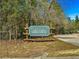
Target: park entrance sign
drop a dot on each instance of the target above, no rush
(39, 30)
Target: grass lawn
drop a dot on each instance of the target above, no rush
(20, 48)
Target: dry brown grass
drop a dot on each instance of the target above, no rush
(20, 48)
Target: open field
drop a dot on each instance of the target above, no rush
(20, 48)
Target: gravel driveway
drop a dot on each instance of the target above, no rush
(69, 38)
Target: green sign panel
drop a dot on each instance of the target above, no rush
(39, 30)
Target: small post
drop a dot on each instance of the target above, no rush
(9, 34)
(16, 33)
